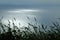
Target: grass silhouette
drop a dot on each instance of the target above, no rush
(16, 34)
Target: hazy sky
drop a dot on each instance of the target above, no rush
(29, 1)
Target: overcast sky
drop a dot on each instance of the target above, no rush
(29, 1)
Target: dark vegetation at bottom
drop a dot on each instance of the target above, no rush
(16, 34)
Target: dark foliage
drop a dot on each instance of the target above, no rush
(27, 34)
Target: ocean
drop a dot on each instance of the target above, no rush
(44, 14)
